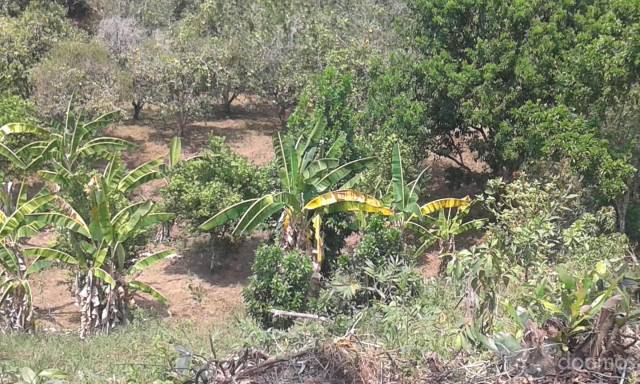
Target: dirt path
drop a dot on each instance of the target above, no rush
(194, 292)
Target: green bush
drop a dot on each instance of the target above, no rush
(201, 187)
(379, 270)
(537, 223)
(15, 109)
(538, 229)
(328, 100)
(280, 280)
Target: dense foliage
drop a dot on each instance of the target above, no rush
(217, 178)
(281, 280)
(525, 113)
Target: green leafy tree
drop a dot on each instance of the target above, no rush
(223, 32)
(328, 100)
(181, 86)
(512, 83)
(82, 71)
(26, 39)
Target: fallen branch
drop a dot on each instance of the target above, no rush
(299, 315)
(249, 372)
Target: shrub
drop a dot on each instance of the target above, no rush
(280, 280)
(539, 230)
(327, 99)
(203, 186)
(14, 109)
(26, 38)
(379, 270)
(84, 71)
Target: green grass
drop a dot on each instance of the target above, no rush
(143, 352)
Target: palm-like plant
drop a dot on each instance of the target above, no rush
(61, 152)
(309, 181)
(422, 219)
(17, 224)
(100, 242)
(442, 221)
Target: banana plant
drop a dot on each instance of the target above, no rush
(99, 247)
(16, 225)
(441, 229)
(166, 169)
(309, 180)
(405, 195)
(59, 153)
(441, 221)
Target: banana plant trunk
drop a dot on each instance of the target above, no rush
(16, 312)
(102, 307)
(297, 236)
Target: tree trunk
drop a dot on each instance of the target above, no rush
(137, 108)
(101, 307)
(282, 114)
(16, 312)
(227, 98)
(182, 122)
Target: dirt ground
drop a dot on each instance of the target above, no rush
(193, 290)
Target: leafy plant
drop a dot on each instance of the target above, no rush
(17, 224)
(573, 302)
(200, 187)
(311, 181)
(419, 219)
(444, 228)
(26, 375)
(280, 280)
(379, 270)
(99, 246)
(63, 154)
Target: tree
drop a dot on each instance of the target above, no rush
(16, 268)
(82, 71)
(26, 39)
(476, 69)
(142, 76)
(223, 32)
(180, 90)
(99, 246)
(120, 35)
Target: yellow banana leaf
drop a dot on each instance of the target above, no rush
(438, 205)
(348, 200)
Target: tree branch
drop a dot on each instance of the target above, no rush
(310, 316)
